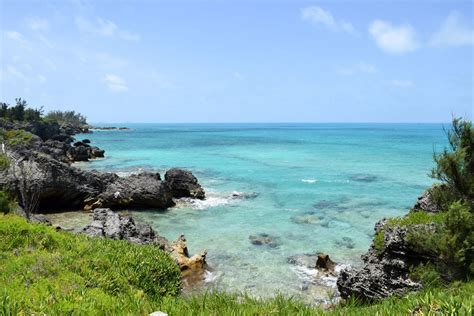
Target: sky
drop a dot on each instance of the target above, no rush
(240, 61)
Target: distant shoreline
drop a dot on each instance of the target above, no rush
(112, 128)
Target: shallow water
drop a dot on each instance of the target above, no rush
(314, 187)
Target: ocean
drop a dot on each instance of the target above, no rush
(311, 187)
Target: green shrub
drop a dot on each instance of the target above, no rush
(45, 271)
(6, 203)
(4, 161)
(428, 274)
(16, 137)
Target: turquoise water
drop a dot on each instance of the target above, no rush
(315, 187)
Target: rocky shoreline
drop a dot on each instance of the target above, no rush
(41, 177)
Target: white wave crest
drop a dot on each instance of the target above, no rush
(309, 180)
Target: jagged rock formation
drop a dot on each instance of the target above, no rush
(108, 224)
(385, 271)
(426, 202)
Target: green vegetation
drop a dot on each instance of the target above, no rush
(4, 161)
(16, 137)
(20, 112)
(67, 118)
(43, 271)
(449, 242)
(7, 204)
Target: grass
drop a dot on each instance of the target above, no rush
(44, 271)
(412, 218)
(17, 137)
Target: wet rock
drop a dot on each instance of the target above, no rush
(184, 184)
(263, 239)
(86, 141)
(244, 195)
(325, 263)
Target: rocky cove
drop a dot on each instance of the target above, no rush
(46, 165)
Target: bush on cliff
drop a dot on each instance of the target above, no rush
(4, 161)
(16, 137)
(43, 271)
(67, 118)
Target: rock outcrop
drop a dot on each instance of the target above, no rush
(109, 224)
(184, 184)
(426, 202)
(63, 186)
(385, 271)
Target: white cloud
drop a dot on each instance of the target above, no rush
(17, 37)
(392, 38)
(454, 31)
(104, 28)
(403, 83)
(357, 68)
(37, 24)
(12, 71)
(317, 15)
(41, 79)
(115, 83)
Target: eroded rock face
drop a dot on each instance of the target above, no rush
(184, 184)
(385, 272)
(193, 268)
(325, 263)
(426, 203)
(66, 187)
(109, 224)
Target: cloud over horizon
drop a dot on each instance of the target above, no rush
(115, 83)
(104, 28)
(317, 15)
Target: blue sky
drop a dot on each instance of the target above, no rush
(241, 61)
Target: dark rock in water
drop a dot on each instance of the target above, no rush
(325, 204)
(263, 239)
(109, 224)
(79, 153)
(426, 203)
(96, 152)
(184, 184)
(346, 242)
(363, 178)
(325, 263)
(86, 141)
(77, 144)
(305, 260)
(244, 195)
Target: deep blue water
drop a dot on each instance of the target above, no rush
(315, 187)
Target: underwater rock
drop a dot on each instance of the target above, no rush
(263, 239)
(346, 242)
(308, 218)
(325, 204)
(363, 178)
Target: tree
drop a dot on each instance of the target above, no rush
(455, 166)
(17, 113)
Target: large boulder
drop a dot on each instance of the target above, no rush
(138, 190)
(184, 184)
